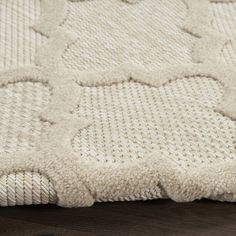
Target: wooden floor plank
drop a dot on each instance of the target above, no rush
(159, 217)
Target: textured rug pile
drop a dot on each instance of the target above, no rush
(111, 100)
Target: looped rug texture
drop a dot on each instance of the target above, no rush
(111, 100)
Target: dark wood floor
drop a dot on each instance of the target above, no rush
(160, 217)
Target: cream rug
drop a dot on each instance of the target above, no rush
(111, 100)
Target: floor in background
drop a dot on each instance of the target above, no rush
(160, 217)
